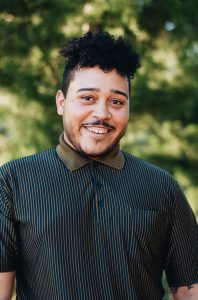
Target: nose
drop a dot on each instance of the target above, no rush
(101, 111)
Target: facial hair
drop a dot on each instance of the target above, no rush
(76, 145)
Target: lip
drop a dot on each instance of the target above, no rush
(98, 129)
(98, 132)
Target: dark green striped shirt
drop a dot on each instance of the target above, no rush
(74, 228)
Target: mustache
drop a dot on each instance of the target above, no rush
(101, 123)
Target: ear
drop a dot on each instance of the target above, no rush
(60, 102)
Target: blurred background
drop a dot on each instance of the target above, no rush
(163, 126)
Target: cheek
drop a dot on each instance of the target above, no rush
(75, 115)
(122, 118)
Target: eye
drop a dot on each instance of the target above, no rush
(87, 98)
(116, 102)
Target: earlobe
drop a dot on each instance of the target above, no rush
(60, 102)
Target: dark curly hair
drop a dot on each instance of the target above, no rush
(100, 49)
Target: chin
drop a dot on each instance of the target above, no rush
(95, 154)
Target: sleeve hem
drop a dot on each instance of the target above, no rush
(7, 269)
(184, 282)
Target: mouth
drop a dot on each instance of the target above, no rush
(99, 130)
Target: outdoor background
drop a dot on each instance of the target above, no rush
(164, 100)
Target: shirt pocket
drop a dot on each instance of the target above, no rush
(143, 233)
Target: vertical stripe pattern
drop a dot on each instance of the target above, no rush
(96, 232)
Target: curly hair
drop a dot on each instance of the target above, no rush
(100, 49)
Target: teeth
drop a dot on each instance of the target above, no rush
(98, 130)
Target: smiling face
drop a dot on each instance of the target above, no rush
(95, 111)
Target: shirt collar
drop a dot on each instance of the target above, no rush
(75, 160)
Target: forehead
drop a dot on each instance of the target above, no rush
(97, 78)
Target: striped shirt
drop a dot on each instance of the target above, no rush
(74, 228)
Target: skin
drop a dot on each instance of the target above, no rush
(95, 97)
(95, 116)
(95, 112)
(185, 292)
(6, 285)
(179, 293)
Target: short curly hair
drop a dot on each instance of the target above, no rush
(100, 49)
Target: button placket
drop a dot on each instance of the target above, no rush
(98, 203)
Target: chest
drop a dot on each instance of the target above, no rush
(80, 210)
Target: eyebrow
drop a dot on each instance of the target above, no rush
(98, 90)
(88, 89)
(119, 93)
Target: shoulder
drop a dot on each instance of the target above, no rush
(28, 163)
(140, 166)
(152, 183)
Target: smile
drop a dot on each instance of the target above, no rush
(98, 130)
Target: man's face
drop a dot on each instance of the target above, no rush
(95, 111)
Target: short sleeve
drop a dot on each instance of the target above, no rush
(182, 260)
(8, 241)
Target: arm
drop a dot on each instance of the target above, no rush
(182, 258)
(8, 237)
(6, 285)
(185, 292)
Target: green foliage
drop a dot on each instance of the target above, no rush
(164, 101)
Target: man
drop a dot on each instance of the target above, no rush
(85, 220)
